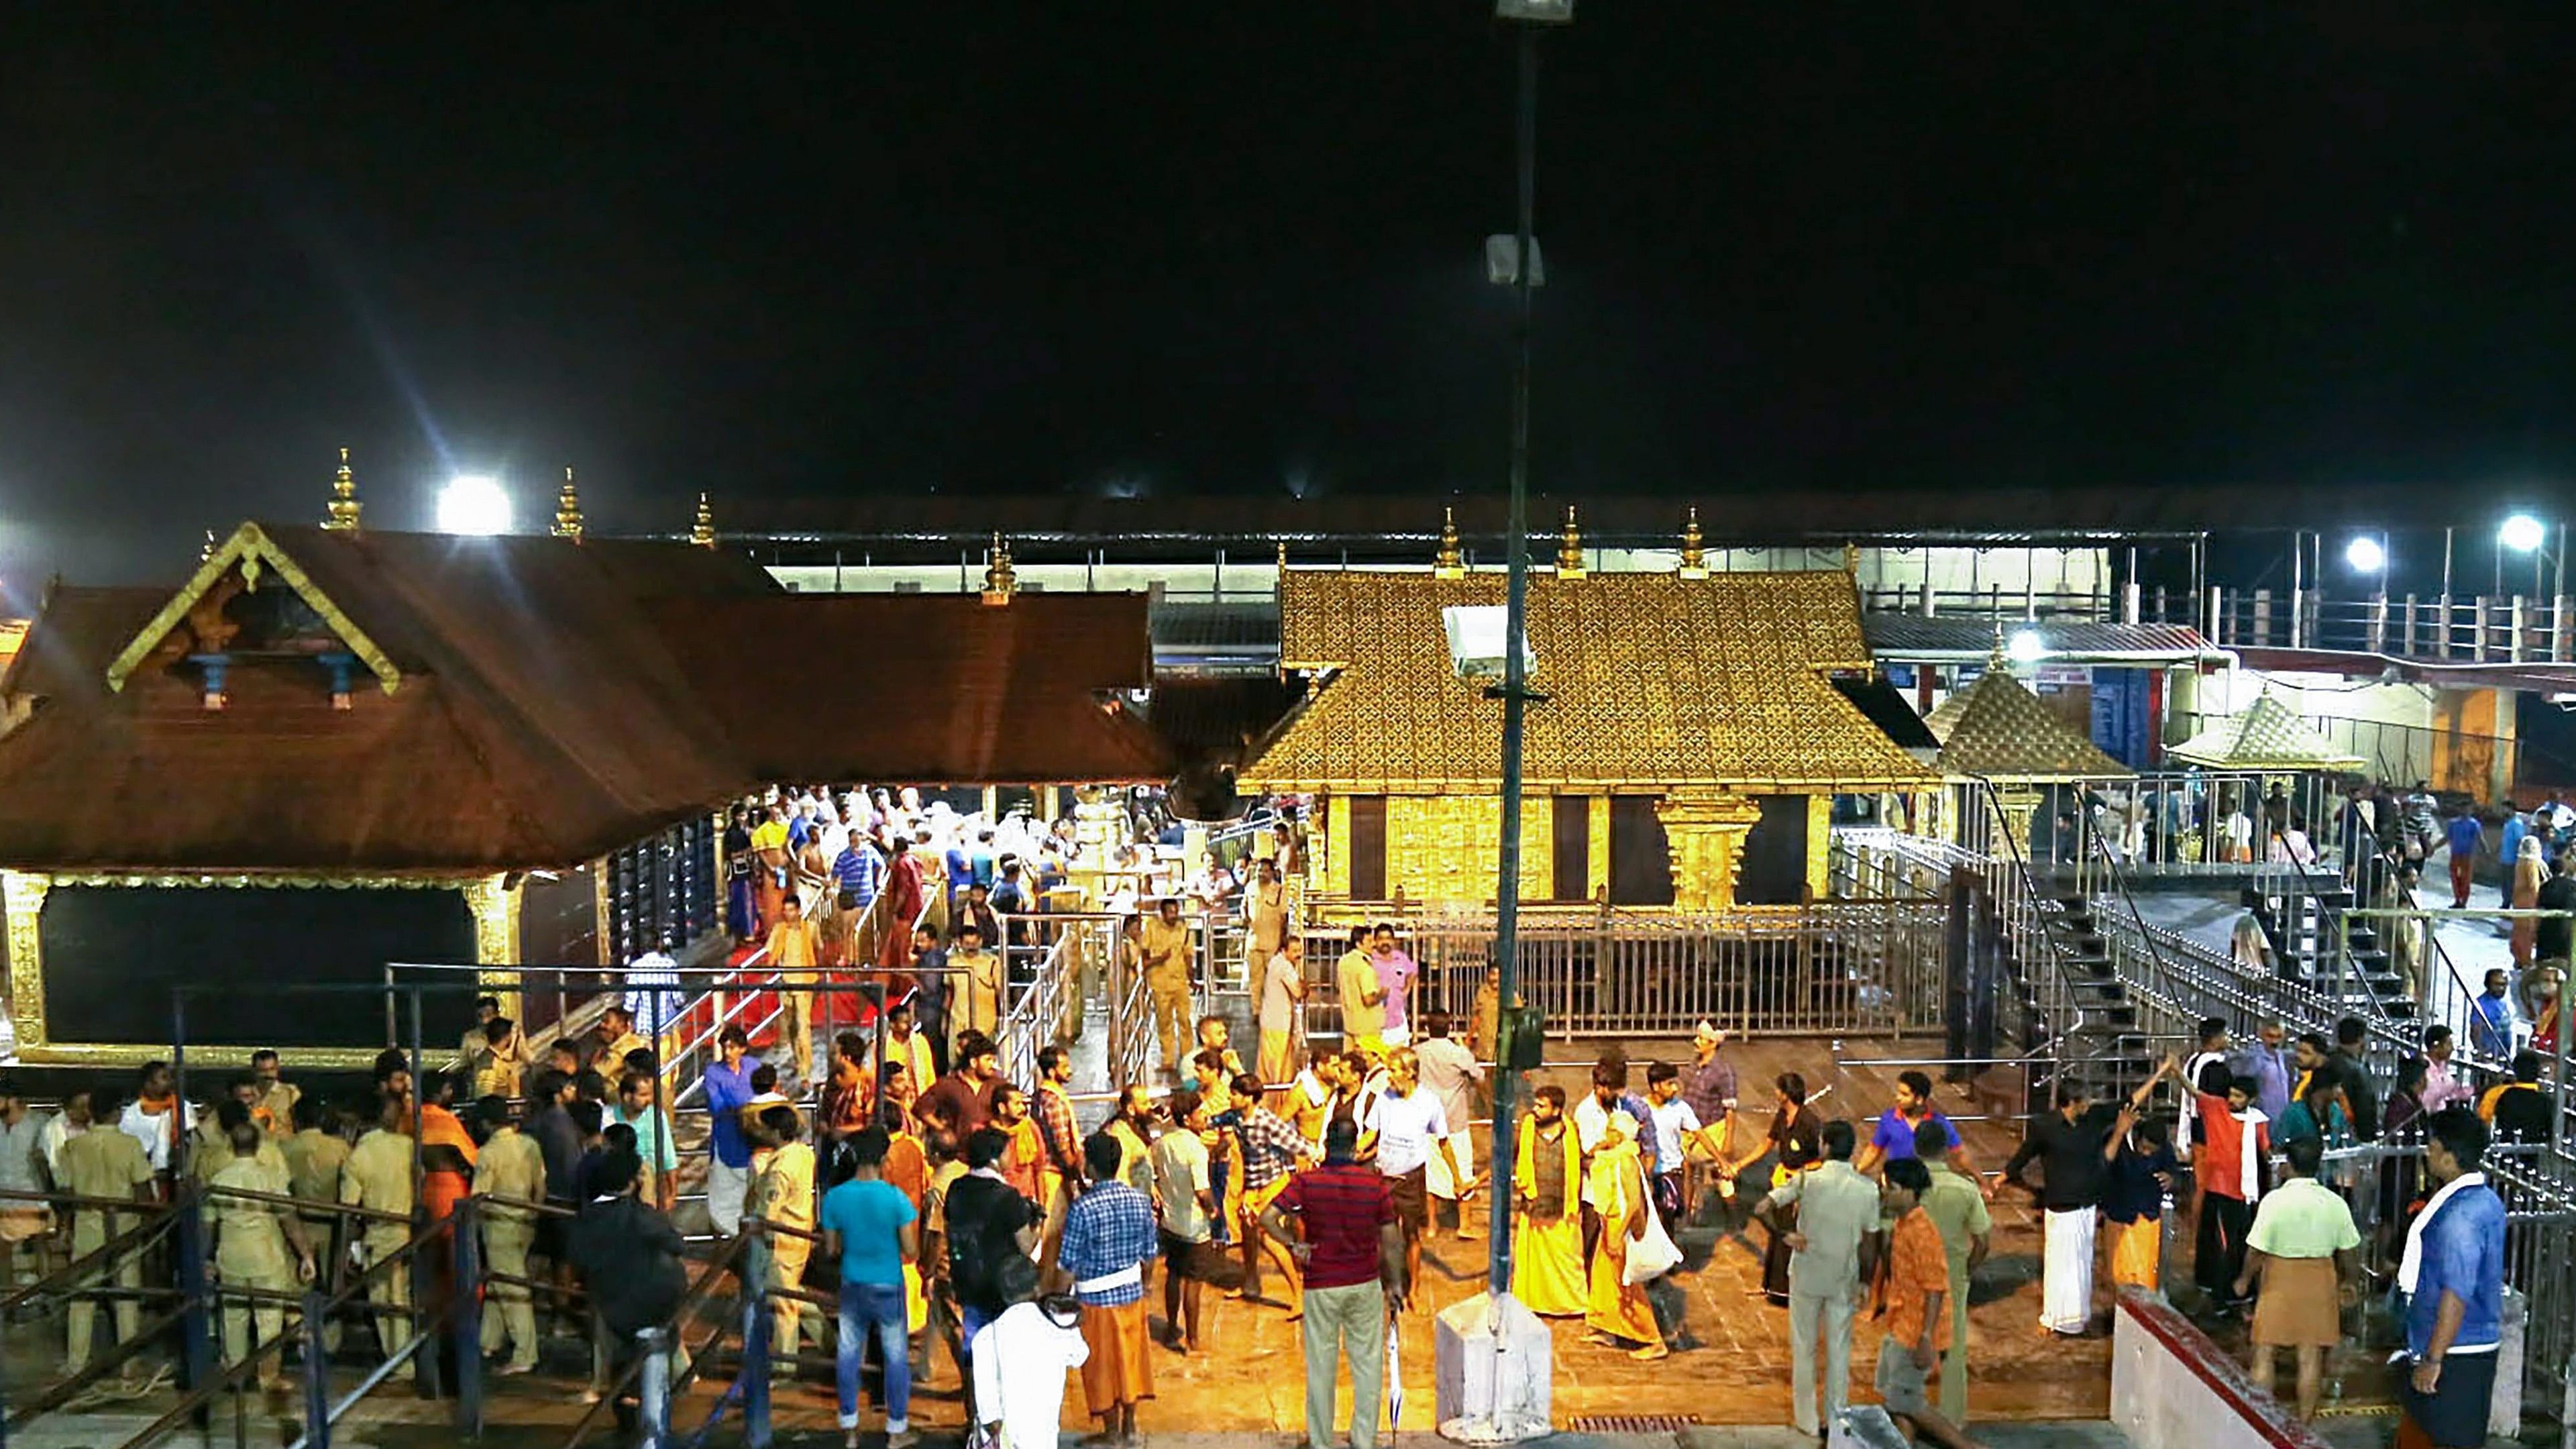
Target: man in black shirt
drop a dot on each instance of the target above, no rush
(2069, 1142)
(2519, 1109)
(2360, 1091)
(986, 1220)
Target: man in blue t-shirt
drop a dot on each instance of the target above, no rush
(2453, 1275)
(728, 1091)
(1893, 1137)
(2463, 836)
(871, 1225)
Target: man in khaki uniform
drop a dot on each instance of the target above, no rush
(104, 1162)
(1265, 911)
(1166, 949)
(377, 1177)
(212, 1151)
(252, 1242)
(314, 1158)
(275, 1109)
(783, 1194)
(512, 1166)
(617, 1037)
(977, 995)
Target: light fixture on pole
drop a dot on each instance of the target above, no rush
(2522, 533)
(2025, 647)
(2365, 555)
(473, 503)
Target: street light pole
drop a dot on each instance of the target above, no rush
(1507, 886)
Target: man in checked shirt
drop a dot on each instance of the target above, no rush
(1059, 1142)
(1272, 1151)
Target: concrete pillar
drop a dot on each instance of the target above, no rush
(1490, 1371)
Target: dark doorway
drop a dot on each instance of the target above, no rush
(1572, 848)
(1641, 861)
(1368, 847)
(1775, 854)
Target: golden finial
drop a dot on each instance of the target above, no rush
(343, 508)
(1449, 563)
(1851, 558)
(1283, 557)
(1694, 557)
(206, 553)
(1569, 554)
(703, 532)
(999, 581)
(568, 509)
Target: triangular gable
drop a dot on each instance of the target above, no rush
(2267, 735)
(1996, 727)
(252, 549)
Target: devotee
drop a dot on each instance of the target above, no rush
(783, 1196)
(905, 889)
(2353, 1075)
(2491, 1025)
(1164, 947)
(728, 1090)
(908, 1046)
(252, 1243)
(1450, 1074)
(1614, 1186)
(1919, 1298)
(1352, 1255)
(961, 1101)
(2071, 1144)
(1039, 1339)
(983, 1223)
(2269, 1064)
(2214, 1047)
(1283, 991)
(511, 1166)
(1795, 1145)
(2140, 1171)
(2236, 1145)
(2463, 836)
(2452, 1274)
(1412, 1131)
(654, 1149)
(157, 1119)
(1395, 973)
(1547, 1237)
(1024, 1159)
(1674, 1135)
(1958, 1210)
(378, 1177)
(1109, 1236)
(1893, 1135)
(1835, 1208)
(2304, 1250)
(2443, 1087)
(1362, 996)
(873, 1229)
(1186, 1194)
(105, 1163)
(59, 1128)
(2518, 1110)
(1271, 1151)
(629, 1256)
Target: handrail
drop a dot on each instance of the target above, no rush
(697, 1292)
(157, 1220)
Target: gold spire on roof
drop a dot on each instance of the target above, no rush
(1851, 558)
(344, 505)
(1694, 557)
(206, 552)
(1569, 553)
(703, 532)
(1000, 582)
(568, 509)
(1283, 555)
(1449, 562)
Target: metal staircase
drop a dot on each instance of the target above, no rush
(2305, 920)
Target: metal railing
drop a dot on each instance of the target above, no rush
(2476, 628)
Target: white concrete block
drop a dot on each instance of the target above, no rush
(1492, 1362)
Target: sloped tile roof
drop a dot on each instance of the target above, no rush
(1651, 680)
(2267, 735)
(1997, 728)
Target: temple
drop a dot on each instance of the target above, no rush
(335, 747)
(1686, 755)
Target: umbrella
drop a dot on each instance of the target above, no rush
(1394, 1380)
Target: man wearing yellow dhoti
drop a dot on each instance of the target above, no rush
(1547, 1234)
(1615, 1185)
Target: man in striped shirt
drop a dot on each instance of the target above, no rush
(1353, 1256)
(1109, 1236)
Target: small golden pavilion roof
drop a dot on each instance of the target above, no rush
(2267, 735)
(1651, 680)
(1995, 727)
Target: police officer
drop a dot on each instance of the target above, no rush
(252, 1245)
(377, 1177)
(511, 1166)
(104, 1162)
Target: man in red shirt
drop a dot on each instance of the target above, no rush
(1352, 1255)
(1918, 1321)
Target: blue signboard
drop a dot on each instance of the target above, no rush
(2122, 703)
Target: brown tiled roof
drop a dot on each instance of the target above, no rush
(1996, 728)
(551, 702)
(926, 688)
(1651, 679)
(2267, 735)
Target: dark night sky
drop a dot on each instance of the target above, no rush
(1235, 246)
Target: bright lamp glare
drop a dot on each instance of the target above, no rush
(2025, 646)
(472, 503)
(2522, 533)
(2365, 555)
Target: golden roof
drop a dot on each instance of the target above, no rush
(1651, 680)
(2267, 736)
(1998, 728)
